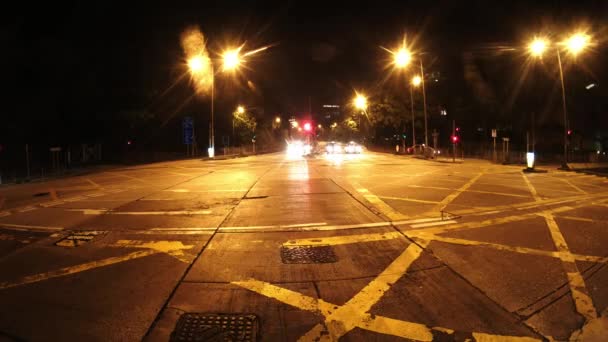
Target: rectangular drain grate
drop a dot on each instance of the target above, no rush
(215, 327)
(308, 255)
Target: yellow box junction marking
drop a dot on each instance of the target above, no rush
(580, 294)
(573, 186)
(172, 248)
(339, 320)
(537, 198)
(379, 204)
(451, 197)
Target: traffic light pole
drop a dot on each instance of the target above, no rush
(453, 142)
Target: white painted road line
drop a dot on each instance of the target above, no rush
(138, 213)
(431, 224)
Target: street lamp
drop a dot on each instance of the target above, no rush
(231, 60)
(401, 59)
(360, 102)
(277, 120)
(574, 44)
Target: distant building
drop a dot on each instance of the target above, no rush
(330, 113)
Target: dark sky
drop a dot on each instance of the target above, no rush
(77, 70)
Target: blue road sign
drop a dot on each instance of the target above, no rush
(188, 130)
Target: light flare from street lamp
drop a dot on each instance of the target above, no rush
(577, 43)
(277, 119)
(416, 80)
(240, 109)
(402, 57)
(538, 46)
(197, 57)
(231, 59)
(360, 102)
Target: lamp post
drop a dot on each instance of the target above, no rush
(416, 80)
(574, 44)
(360, 103)
(201, 67)
(401, 59)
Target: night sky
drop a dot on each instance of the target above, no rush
(105, 72)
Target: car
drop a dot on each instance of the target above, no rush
(353, 147)
(333, 147)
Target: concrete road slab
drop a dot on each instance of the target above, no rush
(240, 256)
(586, 238)
(438, 297)
(338, 208)
(89, 306)
(532, 233)
(500, 275)
(558, 321)
(277, 321)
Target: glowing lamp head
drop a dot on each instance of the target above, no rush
(196, 64)
(307, 127)
(577, 43)
(402, 58)
(231, 59)
(240, 109)
(360, 102)
(416, 80)
(538, 46)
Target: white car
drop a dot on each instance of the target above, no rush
(333, 148)
(353, 147)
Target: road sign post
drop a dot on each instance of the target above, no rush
(188, 134)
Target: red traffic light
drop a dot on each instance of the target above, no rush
(457, 129)
(569, 132)
(308, 127)
(455, 139)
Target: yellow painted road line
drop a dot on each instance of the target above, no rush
(206, 191)
(139, 213)
(90, 181)
(521, 250)
(339, 320)
(537, 198)
(343, 240)
(29, 227)
(377, 203)
(180, 174)
(272, 227)
(483, 337)
(74, 269)
(580, 294)
(130, 177)
(451, 197)
(407, 199)
(573, 186)
(500, 220)
(578, 219)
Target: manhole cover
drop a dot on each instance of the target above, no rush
(308, 255)
(78, 239)
(215, 327)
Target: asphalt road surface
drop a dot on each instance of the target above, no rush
(370, 247)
